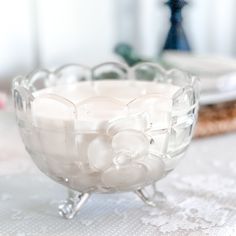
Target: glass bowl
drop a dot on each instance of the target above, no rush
(106, 129)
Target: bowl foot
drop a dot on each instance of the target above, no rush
(72, 205)
(150, 195)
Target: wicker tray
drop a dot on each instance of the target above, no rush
(216, 119)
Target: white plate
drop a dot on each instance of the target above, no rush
(218, 97)
(217, 74)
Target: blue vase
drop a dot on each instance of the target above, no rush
(176, 38)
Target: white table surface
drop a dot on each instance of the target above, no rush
(201, 196)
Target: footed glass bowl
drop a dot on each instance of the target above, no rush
(106, 129)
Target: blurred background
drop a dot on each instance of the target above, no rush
(42, 33)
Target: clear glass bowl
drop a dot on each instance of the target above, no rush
(108, 128)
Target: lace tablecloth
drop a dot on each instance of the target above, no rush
(201, 196)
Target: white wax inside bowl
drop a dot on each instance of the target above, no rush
(85, 123)
(97, 102)
(121, 90)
